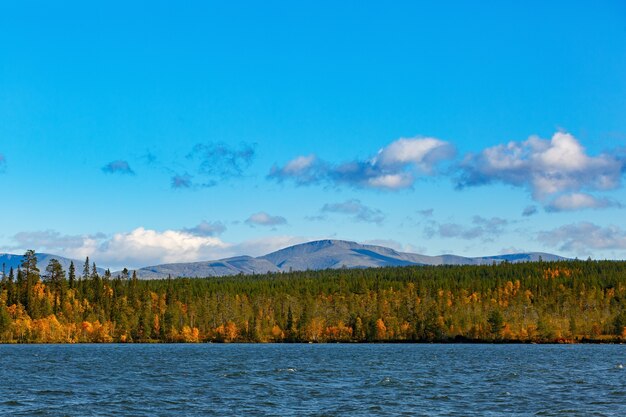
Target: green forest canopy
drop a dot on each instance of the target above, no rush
(565, 301)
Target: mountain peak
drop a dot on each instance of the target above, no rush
(314, 255)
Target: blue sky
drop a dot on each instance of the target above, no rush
(153, 132)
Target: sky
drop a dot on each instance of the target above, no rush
(155, 132)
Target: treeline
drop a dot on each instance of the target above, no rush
(565, 301)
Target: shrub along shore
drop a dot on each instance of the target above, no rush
(536, 302)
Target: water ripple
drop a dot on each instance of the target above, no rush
(312, 380)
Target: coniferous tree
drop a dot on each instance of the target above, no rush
(31, 272)
(86, 269)
(12, 297)
(29, 263)
(542, 302)
(20, 285)
(71, 275)
(55, 276)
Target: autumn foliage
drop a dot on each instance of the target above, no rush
(564, 301)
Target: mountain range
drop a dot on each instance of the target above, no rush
(8, 261)
(321, 254)
(325, 254)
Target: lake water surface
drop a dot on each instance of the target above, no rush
(319, 380)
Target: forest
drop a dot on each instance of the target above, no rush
(535, 302)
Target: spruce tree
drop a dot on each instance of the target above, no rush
(72, 275)
(31, 272)
(56, 277)
(86, 269)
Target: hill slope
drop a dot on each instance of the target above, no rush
(324, 254)
(13, 261)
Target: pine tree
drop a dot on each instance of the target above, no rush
(29, 263)
(31, 272)
(72, 275)
(86, 269)
(55, 276)
(11, 290)
(20, 284)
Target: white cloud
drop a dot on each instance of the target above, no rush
(391, 181)
(145, 247)
(480, 227)
(303, 170)
(207, 229)
(300, 164)
(137, 248)
(357, 210)
(142, 247)
(394, 167)
(424, 153)
(263, 219)
(546, 167)
(579, 201)
(583, 237)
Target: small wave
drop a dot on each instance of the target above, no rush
(54, 392)
(439, 397)
(287, 370)
(12, 403)
(232, 374)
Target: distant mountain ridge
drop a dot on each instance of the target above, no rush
(9, 261)
(325, 254)
(315, 255)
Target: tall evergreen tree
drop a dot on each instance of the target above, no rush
(20, 284)
(29, 263)
(11, 291)
(86, 269)
(72, 275)
(31, 272)
(55, 275)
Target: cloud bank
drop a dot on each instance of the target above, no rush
(144, 247)
(579, 201)
(480, 228)
(207, 229)
(555, 171)
(357, 210)
(396, 166)
(263, 219)
(583, 237)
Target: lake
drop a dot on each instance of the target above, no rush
(312, 379)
